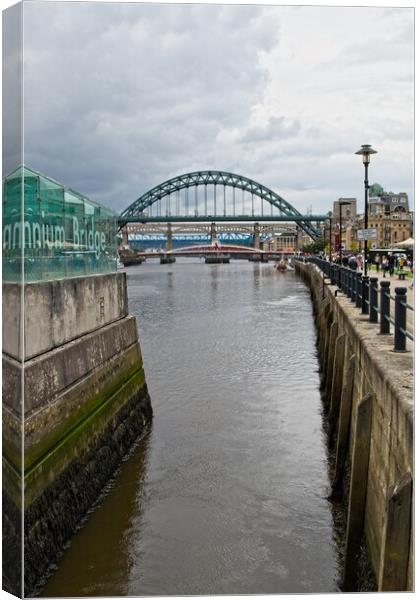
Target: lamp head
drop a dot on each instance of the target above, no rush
(365, 151)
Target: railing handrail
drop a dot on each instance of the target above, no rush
(364, 291)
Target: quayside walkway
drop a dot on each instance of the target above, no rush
(384, 300)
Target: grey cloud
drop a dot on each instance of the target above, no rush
(117, 94)
(12, 88)
(120, 97)
(276, 128)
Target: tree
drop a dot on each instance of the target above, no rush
(314, 247)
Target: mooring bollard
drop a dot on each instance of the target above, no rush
(373, 300)
(365, 295)
(359, 290)
(400, 319)
(385, 307)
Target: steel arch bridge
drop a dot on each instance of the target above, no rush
(158, 200)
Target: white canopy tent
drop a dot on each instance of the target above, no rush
(408, 243)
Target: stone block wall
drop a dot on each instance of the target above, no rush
(368, 390)
(80, 397)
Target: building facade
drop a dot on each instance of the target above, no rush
(388, 213)
(348, 211)
(286, 242)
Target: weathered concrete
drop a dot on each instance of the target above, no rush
(62, 310)
(81, 399)
(11, 319)
(387, 377)
(358, 486)
(397, 535)
(343, 429)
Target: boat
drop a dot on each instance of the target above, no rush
(281, 266)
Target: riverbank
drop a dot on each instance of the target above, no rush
(369, 393)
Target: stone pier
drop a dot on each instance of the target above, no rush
(79, 370)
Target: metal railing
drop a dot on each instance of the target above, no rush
(365, 293)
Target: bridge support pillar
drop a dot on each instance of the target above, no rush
(169, 240)
(124, 232)
(257, 237)
(213, 233)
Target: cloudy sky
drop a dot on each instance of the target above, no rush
(120, 97)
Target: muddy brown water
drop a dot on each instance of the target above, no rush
(227, 492)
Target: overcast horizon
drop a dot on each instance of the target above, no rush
(121, 97)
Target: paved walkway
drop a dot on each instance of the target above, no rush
(395, 282)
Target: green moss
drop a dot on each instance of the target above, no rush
(12, 483)
(78, 439)
(35, 451)
(12, 439)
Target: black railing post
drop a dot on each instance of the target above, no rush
(400, 319)
(353, 287)
(365, 295)
(349, 282)
(345, 280)
(385, 307)
(373, 300)
(359, 290)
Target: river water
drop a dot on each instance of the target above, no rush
(227, 492)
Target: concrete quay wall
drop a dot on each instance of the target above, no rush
(368, 400)
(58, 311)
(80, 397)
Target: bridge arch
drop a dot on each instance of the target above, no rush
(136, 211)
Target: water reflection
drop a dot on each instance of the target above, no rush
(229, 495)
(103, 568)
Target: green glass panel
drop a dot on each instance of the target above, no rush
(63, 234)
(12, 228)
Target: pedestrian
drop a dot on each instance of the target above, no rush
(401, 262)
(353, 263)
(377, 262)
(391, 264)
(384, 265)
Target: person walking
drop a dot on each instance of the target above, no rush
(401, 262)
(391, 264)
(384, 266)
(411, 267)
(353, 263)
(377, 262)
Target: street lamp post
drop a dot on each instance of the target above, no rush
(330, 239)
(365, 151)
(340, 244)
